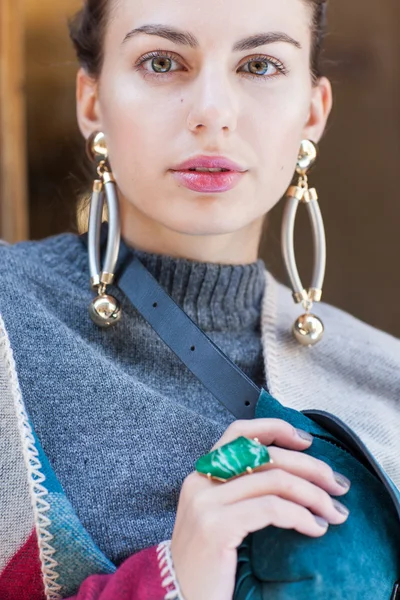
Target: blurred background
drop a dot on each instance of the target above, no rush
(43, 170)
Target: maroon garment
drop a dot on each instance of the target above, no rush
(22, 577)
(138, 578)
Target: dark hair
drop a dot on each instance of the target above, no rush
(320, 10)
(87, 29)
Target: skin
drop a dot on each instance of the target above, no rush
(208, 103)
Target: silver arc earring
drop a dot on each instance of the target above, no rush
(308, 328)
(104, 310)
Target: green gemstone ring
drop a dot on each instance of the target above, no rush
(240, 457)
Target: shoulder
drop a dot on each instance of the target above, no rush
(339, 324)
(350, 347)
(43, 284)
(44, 295)
(48, 251)
(28, 265)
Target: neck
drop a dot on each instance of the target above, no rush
(143, 233)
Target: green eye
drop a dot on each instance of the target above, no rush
(163, 63)
(259, 67)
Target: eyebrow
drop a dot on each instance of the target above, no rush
(177, 36)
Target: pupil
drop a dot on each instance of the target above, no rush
(162, 64)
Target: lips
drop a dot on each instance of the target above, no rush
(208, 183)
(209, 162)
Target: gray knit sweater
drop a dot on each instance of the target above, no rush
(122, 420)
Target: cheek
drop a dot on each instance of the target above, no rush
(277, 128)
(137, 130)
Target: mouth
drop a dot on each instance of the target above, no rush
(207, 180)
(209, 164)
(206, 170)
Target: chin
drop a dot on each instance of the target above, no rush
(194, 224)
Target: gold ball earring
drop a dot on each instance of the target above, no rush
(308, 329)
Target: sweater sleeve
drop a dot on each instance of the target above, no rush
(147, 575)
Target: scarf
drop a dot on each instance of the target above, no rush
(45, 552)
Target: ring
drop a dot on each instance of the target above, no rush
(240, 457)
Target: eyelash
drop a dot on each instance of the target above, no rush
(165, 54)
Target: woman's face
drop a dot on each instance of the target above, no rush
(202, 96)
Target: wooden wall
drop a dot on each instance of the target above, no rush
(356, 174)
(13, 182)
(55, 146)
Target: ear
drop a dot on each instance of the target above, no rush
(320, 108)
(87, 104)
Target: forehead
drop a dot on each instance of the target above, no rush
(213, 22)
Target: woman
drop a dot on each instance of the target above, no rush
(116, 422)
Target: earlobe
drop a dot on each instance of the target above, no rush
(87, 104)
(320, 108)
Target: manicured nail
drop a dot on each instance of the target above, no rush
(342, 480)
(341, 508)
(321, 522)
(304, 435)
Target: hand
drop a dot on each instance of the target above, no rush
(214, 518)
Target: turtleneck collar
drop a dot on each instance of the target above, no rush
(218, 297)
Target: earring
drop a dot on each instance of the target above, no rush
(308, 328)
(104, 310)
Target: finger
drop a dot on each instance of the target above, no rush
(268, 431)
(307, 467)
(256, 513)
(285, 485)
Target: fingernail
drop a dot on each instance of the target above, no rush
(341, 508)
(321, 522)
(304, 435)
(342, 480)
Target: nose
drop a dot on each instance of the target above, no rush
(214, 106)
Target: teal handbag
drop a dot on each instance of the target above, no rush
(358, 560)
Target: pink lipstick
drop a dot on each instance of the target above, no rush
(208, 174)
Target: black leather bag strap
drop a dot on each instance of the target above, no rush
(195, 349)
(225, 380)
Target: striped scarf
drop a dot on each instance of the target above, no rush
(45, 552)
